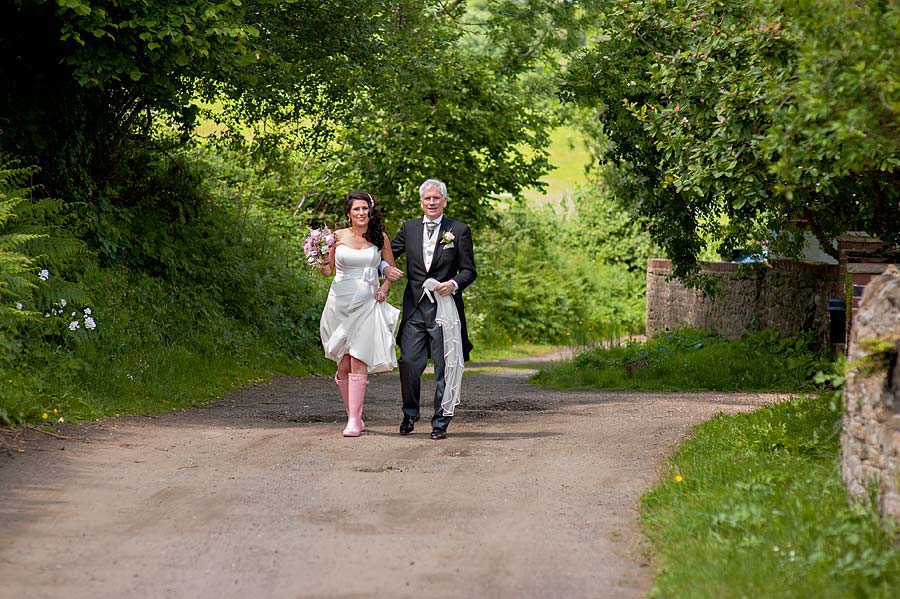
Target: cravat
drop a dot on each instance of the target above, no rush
(430, 226)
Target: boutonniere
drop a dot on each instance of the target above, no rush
(447, 239)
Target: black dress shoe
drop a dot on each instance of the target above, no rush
(408, 424)
(438, 433)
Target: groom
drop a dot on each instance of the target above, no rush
(440, 248)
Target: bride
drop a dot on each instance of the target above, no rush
(357, 325)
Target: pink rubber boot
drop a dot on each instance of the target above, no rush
(355, 400)
(344, 387)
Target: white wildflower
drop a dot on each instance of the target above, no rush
(87, 311)
(62, 302)
(19, 306)
(73, 314)
(44, 274)
(89, 323)
(73, 326)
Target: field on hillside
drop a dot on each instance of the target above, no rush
(569, 158)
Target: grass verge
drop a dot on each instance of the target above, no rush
(753, 506)
(517, 350)
(155, 348)
(692, 360)
(147, 380)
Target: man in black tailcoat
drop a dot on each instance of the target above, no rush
(440, 248)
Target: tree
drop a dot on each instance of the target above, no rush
(82, 76)
(384, 87)
(450, 114)
(86, 77)
(445, 108)
(732, 119)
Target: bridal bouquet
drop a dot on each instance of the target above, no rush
(317, 245)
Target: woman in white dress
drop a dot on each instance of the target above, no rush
(357, 324)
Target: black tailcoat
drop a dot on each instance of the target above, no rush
(454, 260)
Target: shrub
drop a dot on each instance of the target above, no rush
(188, 294)
(559, 275)
(38, 306)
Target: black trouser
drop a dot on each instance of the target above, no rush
(419, 333)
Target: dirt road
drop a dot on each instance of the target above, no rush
(533, 494)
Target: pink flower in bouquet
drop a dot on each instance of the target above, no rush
(317, 245)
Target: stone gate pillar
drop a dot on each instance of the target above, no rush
(870, 440)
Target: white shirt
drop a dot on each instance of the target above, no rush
(429, 245)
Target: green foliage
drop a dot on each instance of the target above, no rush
(114, 44)
(17, 269)
(694, 360)
(164, 345)
(157, 346)
(880, 354)
(312, 65)
(753, 506)
(214, 245)
(444, 109)
(371, 95)
(18, 272)
(609, 233)
(38, 305)
(546, 275)
(461, 123)
(532, 35)
(528, 289)
(731, 119)
(190, 295)
(90, 75)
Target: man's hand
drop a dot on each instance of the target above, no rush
(392, 273)
(445, 288)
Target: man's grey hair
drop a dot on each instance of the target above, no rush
(442, 187)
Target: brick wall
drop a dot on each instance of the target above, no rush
(783, 295)
(861, 259)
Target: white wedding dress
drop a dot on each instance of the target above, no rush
(352, 321)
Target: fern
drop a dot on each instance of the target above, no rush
(40, 261)
(32, 238)
(17, 268)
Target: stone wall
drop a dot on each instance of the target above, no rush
(870, 440)
(783, 295)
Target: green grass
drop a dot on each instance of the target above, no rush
(517, 350)
(692, 360)
(760, 511)
(156, 347)
(146, 378)
(569, 157)
(172, 378)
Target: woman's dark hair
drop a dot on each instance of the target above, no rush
(375, 232)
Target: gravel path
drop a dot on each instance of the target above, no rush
(533, 494)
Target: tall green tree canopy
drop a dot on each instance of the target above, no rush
(730, 119)
(386, 88)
